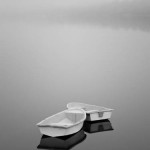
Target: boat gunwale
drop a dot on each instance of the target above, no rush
(91, 111)
(62, 126)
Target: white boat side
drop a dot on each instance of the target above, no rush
(63, 123)
(93, 112)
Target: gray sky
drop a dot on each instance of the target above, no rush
(39, 4)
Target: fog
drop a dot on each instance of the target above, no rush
(128, 14)
(16, 5)
(57, 51)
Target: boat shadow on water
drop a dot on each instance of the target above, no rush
(97, 126)
(63, 142)
(69, 141)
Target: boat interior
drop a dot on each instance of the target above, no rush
(66, 118)
(88, 108)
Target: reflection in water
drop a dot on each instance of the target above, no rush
(97, 126)
(64, 142)
(67, 142)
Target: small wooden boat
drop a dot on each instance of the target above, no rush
(93, 112)
(97, 126)
(64, 123)
(64, 142)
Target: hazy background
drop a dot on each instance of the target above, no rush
(93, 51)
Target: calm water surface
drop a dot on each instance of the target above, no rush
(49, 59)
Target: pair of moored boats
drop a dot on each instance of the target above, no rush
(71, 120)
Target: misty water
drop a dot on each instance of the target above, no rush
(55, 54)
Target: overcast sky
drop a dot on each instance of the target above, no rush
(35, 4)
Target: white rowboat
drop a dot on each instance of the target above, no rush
(64, 123)
(93, 112)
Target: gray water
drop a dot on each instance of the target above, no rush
(53, 53)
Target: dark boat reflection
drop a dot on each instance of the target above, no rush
(97, 126)
(64, 142)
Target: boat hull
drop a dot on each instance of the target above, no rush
(55, 132)
(98, 116)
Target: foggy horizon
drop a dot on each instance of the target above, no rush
(132, 14)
